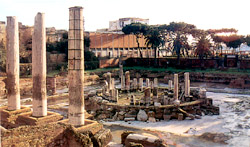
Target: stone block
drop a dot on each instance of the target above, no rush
(102, 138)
(180, 116)
(146, 141)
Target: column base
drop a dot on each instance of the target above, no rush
(28, 119)
(9, 117)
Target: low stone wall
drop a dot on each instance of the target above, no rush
(190, 62)
(233, 80)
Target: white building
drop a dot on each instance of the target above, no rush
(117, 25)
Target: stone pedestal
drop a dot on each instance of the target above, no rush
(12, 64)
(8, 117)
(39, 67)
(27, 119)
(187, 84)
(127, 82)
(141, 84)
(76, 66)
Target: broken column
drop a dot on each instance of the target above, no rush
(121, 71)
(12, 64)
(135, 84)
(147, 94)
(76, 66)
(132, 100)
(39, 67)
(109, 80)
(155, 82)
(187, 84)
(155, 90)
(123, 82)
(141, 84)
(170, 85)
(127, 82)
(176, 89)
(147, 82)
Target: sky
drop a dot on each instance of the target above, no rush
(205, 14)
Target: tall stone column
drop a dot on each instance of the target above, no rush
(176, 88)
(141, 84)
(187, 84)
(127, 80)
(12, 64)
(76, 66)
(39, 67)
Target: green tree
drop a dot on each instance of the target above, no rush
(178, 33)
(137, 29)
(154, 39)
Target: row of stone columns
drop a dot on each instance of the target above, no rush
(38, 66)
(75, 66)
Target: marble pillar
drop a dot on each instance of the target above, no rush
(39, 67)
(12, 64)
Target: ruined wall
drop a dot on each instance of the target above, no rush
(111, 40)
(189, 62)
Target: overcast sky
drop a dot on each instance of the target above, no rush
(205, 14)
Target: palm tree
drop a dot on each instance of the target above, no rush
(154, 39)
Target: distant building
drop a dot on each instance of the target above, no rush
(117, 25)
(54, 35)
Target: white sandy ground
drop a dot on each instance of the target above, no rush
(234, 120)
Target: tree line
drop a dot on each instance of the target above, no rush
(175, 38)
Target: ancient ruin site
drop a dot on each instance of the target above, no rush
(130, 85)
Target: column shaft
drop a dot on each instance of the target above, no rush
(12, 64)
(39, 67)
(76, 66)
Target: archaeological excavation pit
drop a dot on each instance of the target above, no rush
(133, 99)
